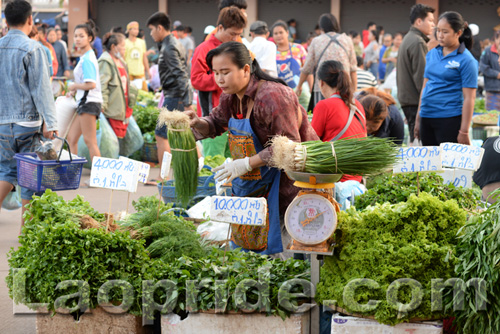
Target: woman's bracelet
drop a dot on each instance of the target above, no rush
(462, 132)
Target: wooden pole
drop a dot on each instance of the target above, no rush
(128, 203)
(109, 210)
(159, 201)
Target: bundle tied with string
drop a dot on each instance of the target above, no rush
(353, 156)
(184, 153)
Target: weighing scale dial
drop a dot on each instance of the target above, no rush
(311, 219)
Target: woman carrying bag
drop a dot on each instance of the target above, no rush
(117, 93)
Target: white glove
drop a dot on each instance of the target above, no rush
(232, 170)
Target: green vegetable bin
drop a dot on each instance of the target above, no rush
(150, 152)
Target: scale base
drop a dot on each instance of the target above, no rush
(323, 248)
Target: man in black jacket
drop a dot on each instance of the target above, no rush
(173, 76)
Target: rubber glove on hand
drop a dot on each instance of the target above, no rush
(232, 170)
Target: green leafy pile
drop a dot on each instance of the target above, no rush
(478, 258)
(214, 161)
(146, 118)
(167, 237)
(54, 248)
(414, 239)
(395, 188)
(146, 98)
(51, 208)
(231, 269)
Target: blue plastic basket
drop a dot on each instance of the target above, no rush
(206, 187)
(39, 175)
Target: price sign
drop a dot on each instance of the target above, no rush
(165, 164)
(458, 177)
(114, 174)
(143, 170)
(461, 156)
(418, 159)
(239, 210)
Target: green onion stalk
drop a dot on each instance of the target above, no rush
(184, 154)
(353, 156)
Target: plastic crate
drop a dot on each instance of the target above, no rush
(479, 133)
(150, 152)
(39, 175)
(206, 187)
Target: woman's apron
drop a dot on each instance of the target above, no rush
(260, 182)
(289, 69)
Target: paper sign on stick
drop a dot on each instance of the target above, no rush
(165, 164)
(114, 174)
(418, 159)
(142, 170)
(458, 177)
(461, 156)
(239, 210)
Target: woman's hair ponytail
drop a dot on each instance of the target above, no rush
(89, 27)
(333, 74)
(457, 23)
(240, 56)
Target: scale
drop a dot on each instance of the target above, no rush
(311, 220)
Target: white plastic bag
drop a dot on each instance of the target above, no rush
(13, 200)
(65, 110)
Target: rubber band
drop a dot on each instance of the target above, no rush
(181, 150)
(335, 156)
(177, 130)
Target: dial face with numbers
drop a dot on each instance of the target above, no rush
(311, 219)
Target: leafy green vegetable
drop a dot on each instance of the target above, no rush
(478, 257)
(166, 235)
(205, 172)
(415, 239)
(214, 161)
(54, 248)
(146, 118)
(395, 188)
(230, 271)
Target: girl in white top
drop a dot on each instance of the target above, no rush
(372, 54)
(87, 87)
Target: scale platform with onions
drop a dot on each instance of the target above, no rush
(311, 218)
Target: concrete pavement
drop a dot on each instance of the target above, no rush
(9, 231)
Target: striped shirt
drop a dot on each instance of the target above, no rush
(365, 79)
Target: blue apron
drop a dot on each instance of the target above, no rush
(289, 70)
(240, 131)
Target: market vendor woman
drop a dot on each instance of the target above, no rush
(254, 107)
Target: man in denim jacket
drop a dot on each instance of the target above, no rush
(25, 94)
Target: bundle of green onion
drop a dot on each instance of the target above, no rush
(353, 156)
(184, 154)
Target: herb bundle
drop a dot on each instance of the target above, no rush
(184, 154)
(478, 257)
(353, 156)
(166, 236)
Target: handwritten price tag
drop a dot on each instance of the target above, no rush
(461, 156)
(418, 159)
(458, 177)
(114, 174)
(143, 171)
(165, 164)
(239, 210)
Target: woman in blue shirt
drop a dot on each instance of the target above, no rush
(450, 82)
